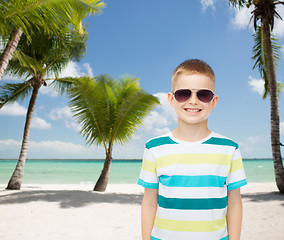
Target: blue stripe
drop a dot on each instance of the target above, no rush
(153, 238)
(147, 184)
(193, 204)
(193, 181)
(221, 141)
(238, 184)
(225, 238)
(159, 142)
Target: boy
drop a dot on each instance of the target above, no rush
(192, 176)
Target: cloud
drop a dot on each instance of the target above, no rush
(206, 4)
(58, 146)
(161, 119)
(40, 123)
(13, 109)
(59, 113)
(16, 109)
(66, 114)
(73, 69)
(89, 69)
(279, 24)
(49, 91)
(282, 128)
(241, 18)
(48, 149)
(165, 107)
(257, 85)
(9, 143)
(255, 139)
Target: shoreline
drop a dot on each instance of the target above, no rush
(74, 211)
(102, 159)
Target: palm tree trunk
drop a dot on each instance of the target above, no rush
(274, 108)
(17, 177)
(10, 49)
(103, 179)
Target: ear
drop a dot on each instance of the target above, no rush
(215, 101)
(171, 99)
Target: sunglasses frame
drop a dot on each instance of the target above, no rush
(194, 91)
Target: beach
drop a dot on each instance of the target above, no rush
(74, 211)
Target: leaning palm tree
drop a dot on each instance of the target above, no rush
(47, 55)
(56, 16)
(265, 53)
(109, 112)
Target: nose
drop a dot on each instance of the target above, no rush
(193, 98)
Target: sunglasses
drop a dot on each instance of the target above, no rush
(204, 95)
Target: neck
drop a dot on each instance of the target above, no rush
(191, 133)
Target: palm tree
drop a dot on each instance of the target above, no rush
(56, 16)
(109, 112)
(47, 55)
(265, 53)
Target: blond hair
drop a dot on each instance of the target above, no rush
(193, 66)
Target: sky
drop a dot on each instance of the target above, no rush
(148, 40)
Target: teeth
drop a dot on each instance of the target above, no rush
(193, 110)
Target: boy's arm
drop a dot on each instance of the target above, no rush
(148, 212)
(234, 214)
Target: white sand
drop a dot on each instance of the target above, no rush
(57, 212)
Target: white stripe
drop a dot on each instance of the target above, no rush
(236, 155)
(172, 235)
(191, 215)
(148, 176)
(170, 149)
(236, 176)
(192, 192)
(148, 155)
(194, 170)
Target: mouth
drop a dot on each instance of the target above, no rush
(192, 110)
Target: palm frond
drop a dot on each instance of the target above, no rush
(109, 110)
(14, 92)
(53, 15)
(259, 56)
(47, 54)
(86, 104)
(62, 85)
(107, 100)
(28, 62)
(133, 104)
(130, 115)
(240, 3)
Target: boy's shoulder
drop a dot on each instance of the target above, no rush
(159, 141)
(218, 139)
(213, 139)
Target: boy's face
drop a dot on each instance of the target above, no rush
(193, 111)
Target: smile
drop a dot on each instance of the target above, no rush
(192, 110)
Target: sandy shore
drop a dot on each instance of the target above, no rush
(57, 212)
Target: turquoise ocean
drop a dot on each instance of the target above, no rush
(122, 171)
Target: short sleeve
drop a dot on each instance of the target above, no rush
(148, 175)
(237, 177)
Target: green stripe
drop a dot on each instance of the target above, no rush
(159, 142)
(193, 204)
(221, 141)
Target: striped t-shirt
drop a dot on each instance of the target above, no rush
(192, 179)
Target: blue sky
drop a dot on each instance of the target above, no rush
(148, 39)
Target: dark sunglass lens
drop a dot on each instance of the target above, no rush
(182, 95)
(205, 95)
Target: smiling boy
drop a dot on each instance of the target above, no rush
(192, 176)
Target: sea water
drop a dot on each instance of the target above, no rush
(122, 171)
